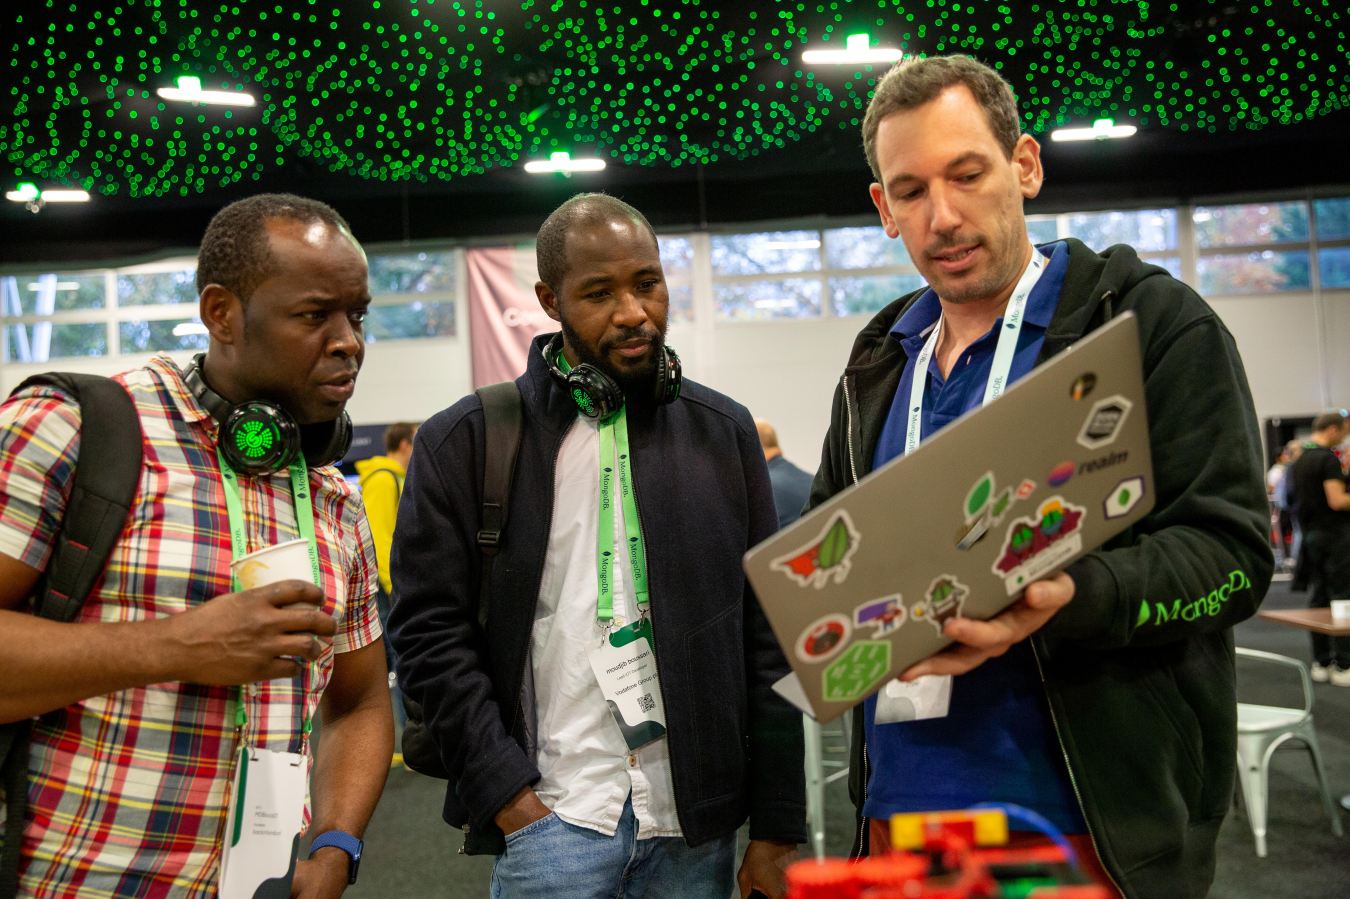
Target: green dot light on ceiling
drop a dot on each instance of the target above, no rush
(440, 90)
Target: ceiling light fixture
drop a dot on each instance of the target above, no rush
(189, 90)
(31, 194)
(858, 50)
(564, 163)
(1102, 129)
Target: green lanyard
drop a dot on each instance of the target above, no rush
(614, 436)
(304, 521)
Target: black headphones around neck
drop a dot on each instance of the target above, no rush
(259, 438)
(596, 394)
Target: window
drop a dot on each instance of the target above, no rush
(413, 295)
(677, 260)
(425, 272)
(1264, 271)
(406, 321)
(154, 336)
(1333, 218)
(43, 341)
(768, 252)
(1250, 224)
(157, 288)
(1147, 230)
(46, 294)
(764, 299)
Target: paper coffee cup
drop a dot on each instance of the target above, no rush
(282, 562)
(1340, 609)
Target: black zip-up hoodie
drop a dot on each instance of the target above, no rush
(704, 498)
(1138, 668)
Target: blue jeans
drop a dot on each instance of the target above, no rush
(551, 859)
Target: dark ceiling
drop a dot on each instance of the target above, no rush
(413, 116)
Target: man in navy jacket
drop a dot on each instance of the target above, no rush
(634, 498)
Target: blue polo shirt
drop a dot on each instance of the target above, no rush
(997, 742)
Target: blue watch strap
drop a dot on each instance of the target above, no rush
(344, 841)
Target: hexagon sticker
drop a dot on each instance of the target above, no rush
(1104, 422)
(857, 672)
(1123, 497)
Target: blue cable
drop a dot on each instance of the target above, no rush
(1037, 821)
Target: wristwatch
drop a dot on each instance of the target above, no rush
(344, 841)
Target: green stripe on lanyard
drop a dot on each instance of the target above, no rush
(304, 521)
(614, 440)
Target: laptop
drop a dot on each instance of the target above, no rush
(858, 589)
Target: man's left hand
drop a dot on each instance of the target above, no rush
(978, 641)
(762, 868)
(322, 877)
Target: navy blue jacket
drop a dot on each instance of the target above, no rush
(704, 499)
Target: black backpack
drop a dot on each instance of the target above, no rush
(502, 416)
(100, 501)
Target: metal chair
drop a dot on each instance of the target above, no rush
(816, 778)
(1261, 730)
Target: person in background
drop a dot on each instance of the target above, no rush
(381, 480)
(1094, 700)
(1319, 484)
(791, 485)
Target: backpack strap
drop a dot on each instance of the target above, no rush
(101, 497)
(100, 501)
(502, 416)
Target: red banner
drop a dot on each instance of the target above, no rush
(504, 314)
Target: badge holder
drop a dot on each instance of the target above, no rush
(625, 667)
(262, 829)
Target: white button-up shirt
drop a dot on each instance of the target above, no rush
(587, 769)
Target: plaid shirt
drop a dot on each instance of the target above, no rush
(128, 792)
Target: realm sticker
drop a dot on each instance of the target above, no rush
(1060, 474)
(886, 615)
(1123, 497)
(814, 564)
(855, 673)
(1038, 546)
(1104, 421)
(1083, 385)
(977, 498)
(1026, 488)
(823, 638)
(943, 601)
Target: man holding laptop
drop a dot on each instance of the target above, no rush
(1103, 699)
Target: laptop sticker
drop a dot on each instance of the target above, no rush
(978, 496)
(853, 675)
(1123, 497)
(825, 558)
(1038, 546)
(1083, 385)
(1026, 488)
(1104, 421)
(823, 638)
(942, 601)
(885, 615)
(1060, 474)
(1002, 503)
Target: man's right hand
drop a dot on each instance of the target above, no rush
(524, 809)
(252, 635)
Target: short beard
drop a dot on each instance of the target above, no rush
(638, 385)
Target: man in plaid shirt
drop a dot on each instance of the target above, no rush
(145, 700)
